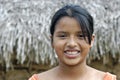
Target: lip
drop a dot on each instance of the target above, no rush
(72, 53)
(71, 50)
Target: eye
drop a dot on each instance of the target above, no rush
(80, 36)
(62, 35)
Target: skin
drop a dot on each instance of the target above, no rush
(68, 39)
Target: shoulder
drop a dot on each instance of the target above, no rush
(47, 75)
(106, 75)
(34, 77)
(40, 76)
(96, 73)
(100, 75)
(109, 76)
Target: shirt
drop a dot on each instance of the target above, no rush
(107, 76)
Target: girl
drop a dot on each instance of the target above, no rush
(72, 37)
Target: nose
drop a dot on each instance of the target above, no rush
(71, 43)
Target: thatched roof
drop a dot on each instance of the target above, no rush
(24, 29)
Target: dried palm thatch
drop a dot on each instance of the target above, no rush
(24, 29)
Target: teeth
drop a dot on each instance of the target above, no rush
(72, 53)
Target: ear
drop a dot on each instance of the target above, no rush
(51, 37)
(92, 41)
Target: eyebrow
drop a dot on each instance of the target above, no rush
(61, 32)
(68, 32)
(79, 32)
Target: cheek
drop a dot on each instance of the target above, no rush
(58, 46)
(84, 46)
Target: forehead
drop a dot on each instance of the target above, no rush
(68, 23)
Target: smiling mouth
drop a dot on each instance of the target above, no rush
(72, 53)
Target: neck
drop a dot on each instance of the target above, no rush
(76, 71)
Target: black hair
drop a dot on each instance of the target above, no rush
(80, 14)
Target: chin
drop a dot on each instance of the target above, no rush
(72, 63)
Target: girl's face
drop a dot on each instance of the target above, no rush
(69, 43)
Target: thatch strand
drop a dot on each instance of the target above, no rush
(24, 29)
